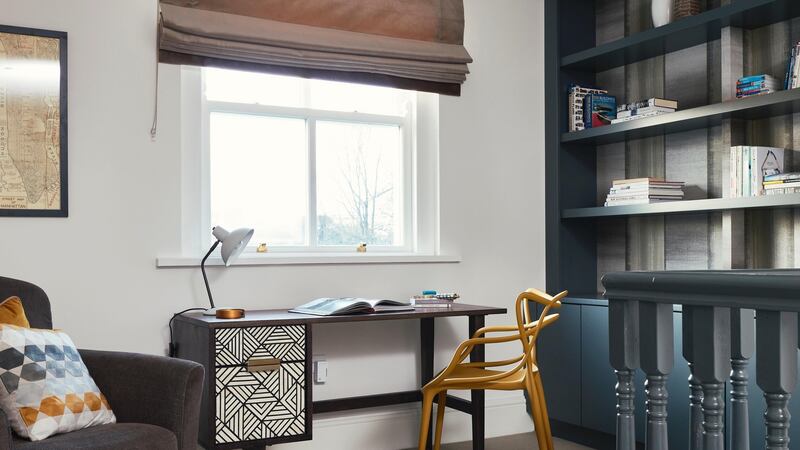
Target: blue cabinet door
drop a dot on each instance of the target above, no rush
(559, 351)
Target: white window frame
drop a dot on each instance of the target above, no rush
(419, 127)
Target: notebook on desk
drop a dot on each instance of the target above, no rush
(338, 306)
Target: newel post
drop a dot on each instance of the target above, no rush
(623, 325)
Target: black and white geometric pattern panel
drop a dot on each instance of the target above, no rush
(234, 346)
(260, 405)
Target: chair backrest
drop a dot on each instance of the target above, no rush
(34, 301)
(529, 329)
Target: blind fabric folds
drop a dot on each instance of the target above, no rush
(413, 44)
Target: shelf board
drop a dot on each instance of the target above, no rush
(685, 207)
(756, 107)
(681, 34)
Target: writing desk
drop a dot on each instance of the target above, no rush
(258, 390)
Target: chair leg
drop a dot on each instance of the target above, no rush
(536, 412)
(537, 379)
(441, 401)
(425, 422)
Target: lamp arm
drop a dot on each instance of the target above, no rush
(203, 269)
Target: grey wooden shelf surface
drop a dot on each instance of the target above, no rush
(681, 34)
(685, 206)
(751, 108)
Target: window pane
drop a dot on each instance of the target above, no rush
(347, 97)
(253, 88)
(259, 176)
(359, 189)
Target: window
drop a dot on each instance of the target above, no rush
(312, 165)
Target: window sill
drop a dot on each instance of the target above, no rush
(288, 259)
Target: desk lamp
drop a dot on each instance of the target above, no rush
(233, 242)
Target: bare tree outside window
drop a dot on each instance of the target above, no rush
(365, 166)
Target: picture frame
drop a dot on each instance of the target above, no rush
(33, 128)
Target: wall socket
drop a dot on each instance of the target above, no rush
(320, 369)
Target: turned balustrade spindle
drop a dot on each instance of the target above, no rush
(656, 358)
(711, 330)
(623, 321)
(695, 389)
(742, 346)
(776, 371)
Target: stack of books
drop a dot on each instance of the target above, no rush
(750, 166)
(638, 191)
(792, 69)
(576, 96)
(645, 108)
(756, 85)
(782, 183)
(444, 300)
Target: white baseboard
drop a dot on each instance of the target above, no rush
(393, 428)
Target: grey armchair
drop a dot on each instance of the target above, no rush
(156, 399)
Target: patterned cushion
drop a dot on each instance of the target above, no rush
(45, 387)
(12, 312)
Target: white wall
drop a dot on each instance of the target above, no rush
(98, 265)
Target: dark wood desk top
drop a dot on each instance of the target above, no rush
(284, 317)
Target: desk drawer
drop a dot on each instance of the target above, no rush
(238, 346)
(260, 383)
(256, 405)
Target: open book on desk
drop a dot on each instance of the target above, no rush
(348, 305)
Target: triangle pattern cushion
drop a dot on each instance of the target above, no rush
(12, 312)
(45, 388)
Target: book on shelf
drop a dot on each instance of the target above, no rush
(639, 201)
(599, 110)
(753, 168)
(756, 85)
(647, 181)
(636, 117)
(643, 111)
(338, 306)
(792, 69)
(782, 177)
(783, 187)
(651, 102)
(637, 191)
(575, 105)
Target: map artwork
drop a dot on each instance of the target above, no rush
(31, 97)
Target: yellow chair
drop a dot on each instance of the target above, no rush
(475, 376)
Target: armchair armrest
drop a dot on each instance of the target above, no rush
(150, 389)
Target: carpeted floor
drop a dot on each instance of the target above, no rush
(525, 441)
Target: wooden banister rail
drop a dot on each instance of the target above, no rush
(727, 317)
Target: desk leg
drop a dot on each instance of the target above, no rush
(478, 397)
(426, 363)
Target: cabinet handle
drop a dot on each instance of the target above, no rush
(263, 364)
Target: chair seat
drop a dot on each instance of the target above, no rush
(513, 381)
(116, 436)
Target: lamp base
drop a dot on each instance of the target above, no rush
(225, 313)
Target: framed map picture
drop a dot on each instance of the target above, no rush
(33, 122)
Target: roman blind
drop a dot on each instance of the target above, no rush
(409, 44)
